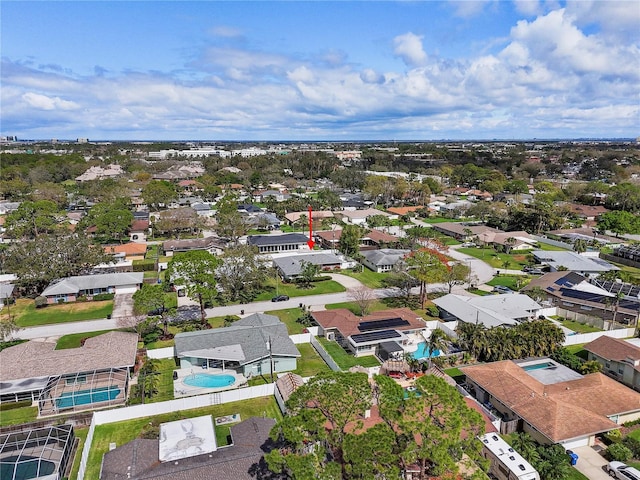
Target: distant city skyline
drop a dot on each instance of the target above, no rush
(320, 71)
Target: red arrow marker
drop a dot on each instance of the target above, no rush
(311, 243)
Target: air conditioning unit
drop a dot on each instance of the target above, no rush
(331, 336)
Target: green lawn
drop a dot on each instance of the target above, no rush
(635, 434)
(123, 432)
(73, 340)
(166, 366)
(550, 248)
(369, 278)
(344, 359)
(27, 315)
(578, 327)
(355, 309)
(514, 282)
(578, 350)
(81, 435)
(18, 416)
(496, 259)
(310, 363)
(288, 316)
(292, 290)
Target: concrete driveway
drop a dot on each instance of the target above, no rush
(122, 305)
(591, 463)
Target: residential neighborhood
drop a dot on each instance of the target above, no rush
(183, 313)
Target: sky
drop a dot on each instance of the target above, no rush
(318, 70)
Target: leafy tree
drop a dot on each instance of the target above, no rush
(33, 219)
(242, 273)
(456, 274)
(349, 242)
(591, 366)
(196, 270)
(427, 266)
(619, 222)
(8, 327)
(149, 298)
(624, 196)
(554, 462)
(371, 454)
(315, 428)
(177, 221)
(308, 272)
(39, 262)
(526, 446)
(158, 192)
(434, 427)
(364, 298)
(231, 226)
(112, 220)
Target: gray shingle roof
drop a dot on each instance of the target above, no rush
(292, 265)
(264, 240)
(138, 460)
(251, 334)
(384, 256)
(85, 282)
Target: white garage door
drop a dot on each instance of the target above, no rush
(126, 289)
(581, 442)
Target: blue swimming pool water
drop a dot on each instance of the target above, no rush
(538, 366)
(209, 381)
(423, 352)
(84, 397)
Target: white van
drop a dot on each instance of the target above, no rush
(623, 471)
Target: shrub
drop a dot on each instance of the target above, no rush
(433, 311)
(13, 405)
(619, 452)
(40, 301)
(103, 296)
(614, 436)
(144, 265)
(633, 445)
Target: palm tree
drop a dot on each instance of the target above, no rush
(525, 446)
(580, 246)
(438, 340)
(509, 243)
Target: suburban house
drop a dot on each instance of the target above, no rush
(211, 244)
(573, 294)
(279, 243)
(514, 241)
(290, 266)
(619, 359)
(139, 230)
(130, 251)
(316, 215)
(490, 310)
(572, 261)
(551, 402)
(587, 212)
(360, 217)
(364, 335)
(589, 235)
(384, 259)
(463, 231)
(263, 221)
(93, 375)
(373, 239)
(70, 288)
(163, 459)
(6, 292)
(255, 345)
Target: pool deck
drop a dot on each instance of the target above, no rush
(181, 389)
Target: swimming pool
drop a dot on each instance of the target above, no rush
(27, 467)
(538, 366)
(423, 352)
(206, 380)
(84, 397)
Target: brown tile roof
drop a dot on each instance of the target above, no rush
(561, 411)
(127, 248)
(404, 210)
(613, 349)
(40, 359)
(347, 323)
(139, 225)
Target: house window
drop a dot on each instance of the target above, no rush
(620, 370)
(607, 365)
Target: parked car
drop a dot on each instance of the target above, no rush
(622, 471)
(280, 298)
(532, 270)
(502, 289)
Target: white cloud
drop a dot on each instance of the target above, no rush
(42, 102)
(468, 8)
(409, 48)
(225, 31)
(528, 7)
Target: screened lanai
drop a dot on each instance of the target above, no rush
(84, 390)
(40, 453)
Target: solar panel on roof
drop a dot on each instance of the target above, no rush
(380, 324)
(375, 336)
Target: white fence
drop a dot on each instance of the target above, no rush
(589, 337)
(301, 338)
(151, 409)
(324, 354)
(166, 352)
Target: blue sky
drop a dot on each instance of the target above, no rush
(318, 70)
